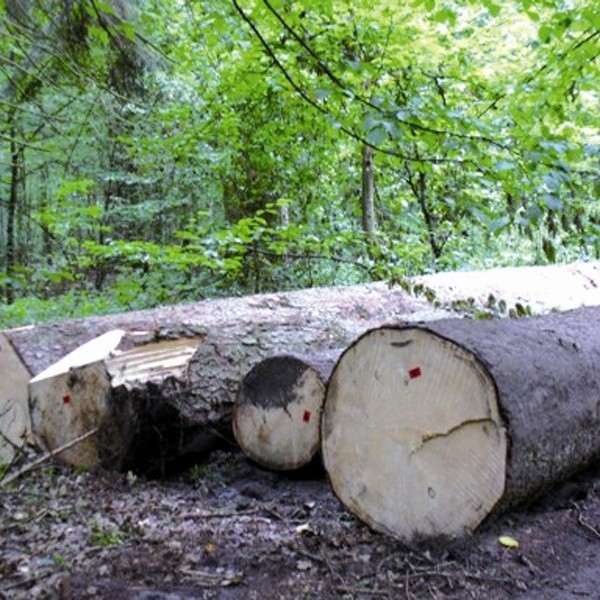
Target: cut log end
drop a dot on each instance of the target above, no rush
(119, 386)
(276, 417)
(15, 424)
(413, 441)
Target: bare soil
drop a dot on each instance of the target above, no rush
(227, 529)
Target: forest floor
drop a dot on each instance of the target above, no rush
(227, 529)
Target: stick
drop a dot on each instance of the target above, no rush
(46, 457)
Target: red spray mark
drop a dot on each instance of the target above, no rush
(414, 373)
(66, 399)
(307, 416)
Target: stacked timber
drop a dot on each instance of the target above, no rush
(141, 409)
(235, 332)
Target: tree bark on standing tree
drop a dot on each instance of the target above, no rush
(367, 197)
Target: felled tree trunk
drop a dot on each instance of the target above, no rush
(428, 430)
(277, 413)
(344, 312)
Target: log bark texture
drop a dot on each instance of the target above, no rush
(277, 413)
(427, 430)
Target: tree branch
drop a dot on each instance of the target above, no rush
(302, 93)
(365, 101)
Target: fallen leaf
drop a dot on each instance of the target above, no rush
(210, 548)
(507, 541)
(304, 528)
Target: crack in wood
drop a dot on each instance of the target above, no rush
(429, 435)
(401, 344)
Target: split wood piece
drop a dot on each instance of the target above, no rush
(277, 413)
(428, 430)
(107, 385)
(15, 425)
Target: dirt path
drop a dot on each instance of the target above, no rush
(229, 530)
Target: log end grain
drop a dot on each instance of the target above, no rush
(14, 411)
(413, 441)
(276, 416)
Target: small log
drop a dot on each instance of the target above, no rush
(122, 385)
(427, 430)
(277, 413)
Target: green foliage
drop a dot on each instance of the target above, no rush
(162, 152)
(103, 535)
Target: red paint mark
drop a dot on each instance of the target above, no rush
(66, 399)
(307, 416)
(414, 373)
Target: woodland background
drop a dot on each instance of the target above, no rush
(153, 152)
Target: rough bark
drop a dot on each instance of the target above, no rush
(277, 413)
(427, 430)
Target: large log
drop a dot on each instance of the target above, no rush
(427, 430)
(277, 413)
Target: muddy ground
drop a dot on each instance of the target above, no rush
(228, 529)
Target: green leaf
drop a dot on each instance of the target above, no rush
(128, 30)
(553, 202)
(545, 33)
(377, 136)
(105, 7)
(499, 224)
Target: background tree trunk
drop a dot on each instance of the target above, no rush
(367, 197)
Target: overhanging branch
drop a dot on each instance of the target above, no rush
(304, 95)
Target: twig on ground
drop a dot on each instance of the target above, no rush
(24, 582)
(46, 457)
(361, 591)
(583, 523)
(228, 515)
(587, 526)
